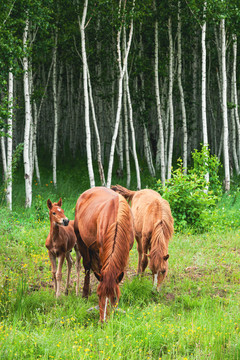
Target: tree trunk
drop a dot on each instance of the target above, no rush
(26, 150)
(170, 100)
(234, 90)
(224, 103)
(204, 110)
(86, 96)
(122, 70)
(160, 143)
(55, 107)
(131, 122)
(126, 134)
(182, 99)
(9, 141)
(99, 157)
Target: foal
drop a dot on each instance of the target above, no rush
(60, 241)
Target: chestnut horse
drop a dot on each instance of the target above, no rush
(105, 234)
(60, 241)
(154, 227)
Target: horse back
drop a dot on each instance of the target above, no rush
(96, 210)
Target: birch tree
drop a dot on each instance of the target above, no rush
(160, 145)
(9, 142)
(27, 149)
(86, 96)
(122, 69)
(55, 107)
(182, 98)
(170, 99)
(204, 110)
(224, 105)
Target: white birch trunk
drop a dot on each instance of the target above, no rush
(182, 99)
(131, 122)
(234, 139)
(234, 90)
(126, 135)
(194, 92)
(160, 144)
(99, 157)
(26, 150)
(224, 103)
(4, 158)
(55, 109)
(9, 142)
(122, 70)
(204, 110)
(86, 96)
(170, 100)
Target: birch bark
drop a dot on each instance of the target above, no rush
(234, 90)
(160, 145)
(224, 104)
(122, 69)
(26, 150)
(204, 110)
(86, 96)
(55, 107)
(170, 100)
(9, 141)
(182, 98)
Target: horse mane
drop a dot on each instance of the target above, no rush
(127, 194)
(115, 249)
(162, 232)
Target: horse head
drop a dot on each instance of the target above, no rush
(56, 213)
(159, 266)
(108, 292)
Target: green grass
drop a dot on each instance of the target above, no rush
(195, 316)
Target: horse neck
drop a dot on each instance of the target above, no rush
(54, 231)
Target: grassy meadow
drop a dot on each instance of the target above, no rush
(196, 315)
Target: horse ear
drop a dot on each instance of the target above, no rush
(166, 257)
(98, 276)
(119, 278)
(49, 204)
(60, 202)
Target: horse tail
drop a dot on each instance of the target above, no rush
(127, 194)
(119, 239)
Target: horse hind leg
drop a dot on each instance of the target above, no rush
(78, 267)
(140, 252)
(145, 250)
(69, 268)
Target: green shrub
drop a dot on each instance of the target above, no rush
(190, 197)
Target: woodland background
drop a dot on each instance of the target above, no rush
(123, 85)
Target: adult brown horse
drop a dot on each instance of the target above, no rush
(105, 234)
(60, 241)
(153, 226)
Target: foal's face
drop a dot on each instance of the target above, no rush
(56, 213)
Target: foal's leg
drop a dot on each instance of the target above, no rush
(69, 268)
(78, 267)
(59, 273)
(54, 269)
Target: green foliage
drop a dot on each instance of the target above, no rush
(190, 197)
